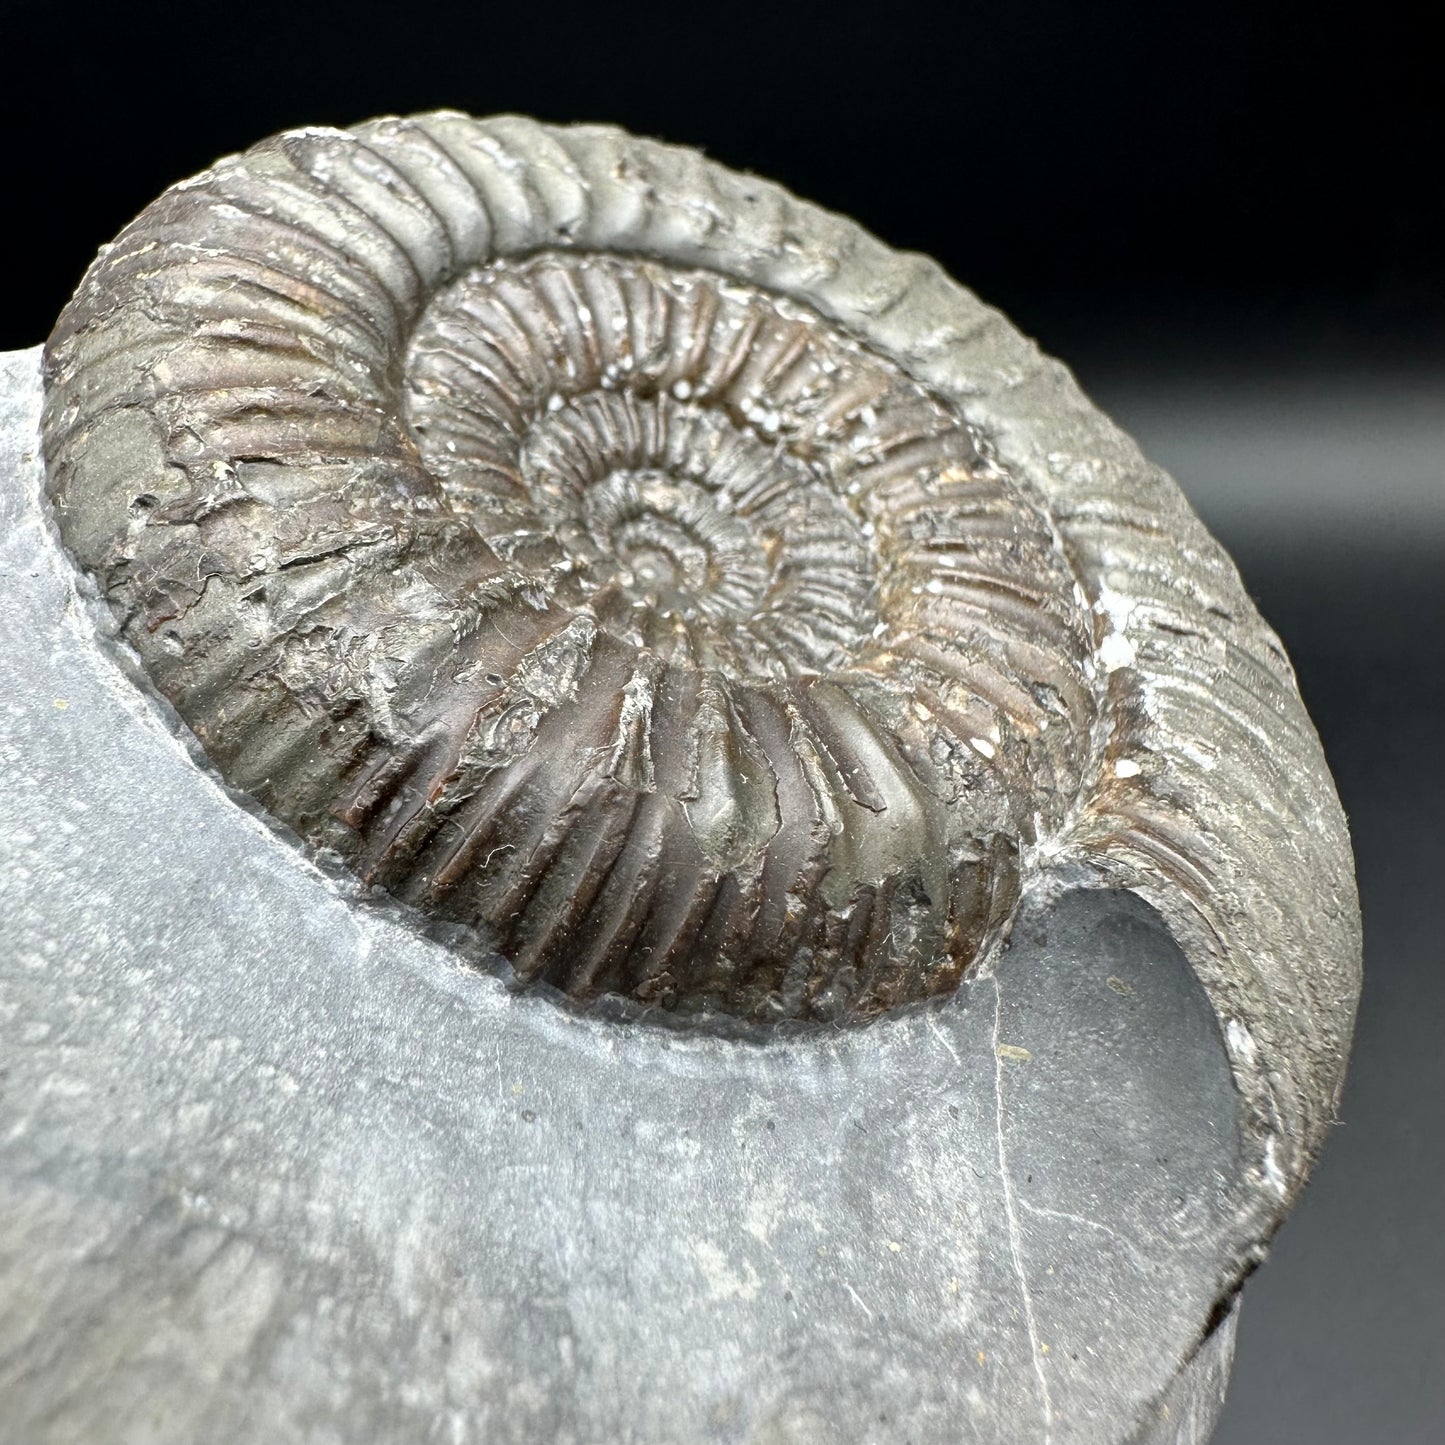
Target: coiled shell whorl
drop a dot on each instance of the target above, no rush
(660, 576)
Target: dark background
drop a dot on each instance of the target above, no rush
(1221, 215)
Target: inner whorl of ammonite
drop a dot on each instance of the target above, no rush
(640, 619)
(654, 445)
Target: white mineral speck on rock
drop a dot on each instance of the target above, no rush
(1116, 651)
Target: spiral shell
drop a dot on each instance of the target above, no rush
(658, 575)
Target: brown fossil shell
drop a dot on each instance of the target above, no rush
(660, 576)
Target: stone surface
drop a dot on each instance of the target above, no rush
(274, 1164)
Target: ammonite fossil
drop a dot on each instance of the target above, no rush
(690, 607)
(656, 574)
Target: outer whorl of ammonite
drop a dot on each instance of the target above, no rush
(704, 603)
(637, 616)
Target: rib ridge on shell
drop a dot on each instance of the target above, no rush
(660, 576)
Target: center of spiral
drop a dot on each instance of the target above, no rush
(652, 446)
(653, 571)
(659, 539)
(669, 544)
(648, 500)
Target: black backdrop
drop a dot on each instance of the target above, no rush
(1220, 214)
(1260, 163)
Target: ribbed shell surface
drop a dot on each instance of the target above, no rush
(703, 602)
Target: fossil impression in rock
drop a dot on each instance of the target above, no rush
(658, 575)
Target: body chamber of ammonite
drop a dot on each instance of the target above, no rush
(682, 602)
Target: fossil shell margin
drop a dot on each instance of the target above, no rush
(1223, 815)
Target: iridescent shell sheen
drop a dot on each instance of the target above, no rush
(661, 577)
